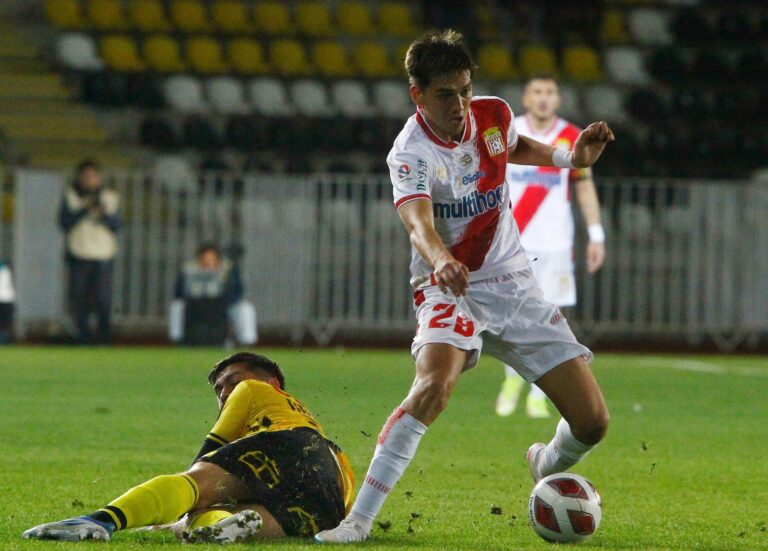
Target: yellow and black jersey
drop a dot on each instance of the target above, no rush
(256, 407)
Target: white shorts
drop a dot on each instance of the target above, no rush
(554, 272)
(507, 316)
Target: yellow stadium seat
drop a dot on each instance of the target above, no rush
(331, 60)
(354, 19)
(582, 63)
(148, 16)
(189, 16)
(105, 15)
(371, 59)
(537, 59)
(64, 14)
(613, 28)
(162, 54)
(287, 58)
(231, 16)
(396, 19)
(495, 62)
(246, 56)
(313, 19)
(272, 18)
(205, 55)
(121, 54)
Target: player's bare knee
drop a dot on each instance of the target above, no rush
(593, 429)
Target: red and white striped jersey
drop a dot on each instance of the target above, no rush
(541, 196)
(466, 182)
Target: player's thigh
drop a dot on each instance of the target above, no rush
(215, 484)
(573, 389)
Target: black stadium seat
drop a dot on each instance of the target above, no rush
(157, 133)
(200, 134)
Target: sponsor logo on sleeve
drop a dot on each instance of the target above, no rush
(421, 175)
(494, 141)
(403, 171)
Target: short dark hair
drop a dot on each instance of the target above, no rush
(88, 163)
(436, 54)
(542, 76)
(254, 362)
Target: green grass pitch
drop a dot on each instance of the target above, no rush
(684, 465)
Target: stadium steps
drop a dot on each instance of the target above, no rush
(40, 124)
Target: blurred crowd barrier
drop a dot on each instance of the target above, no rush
(325, 257)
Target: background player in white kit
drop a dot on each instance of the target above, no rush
(475, 288)
(541, 200)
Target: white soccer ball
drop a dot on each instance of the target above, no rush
(565, 508)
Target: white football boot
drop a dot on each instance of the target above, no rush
(240, 527)
(348, 531)
(73, 529)
(534, 456)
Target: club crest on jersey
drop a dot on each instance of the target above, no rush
(403, 171)
(494, 141)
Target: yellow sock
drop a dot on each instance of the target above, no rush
(158, 501)
(208, 518)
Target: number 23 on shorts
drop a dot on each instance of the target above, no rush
(444, 318)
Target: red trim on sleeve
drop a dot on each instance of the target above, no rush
(411, 198)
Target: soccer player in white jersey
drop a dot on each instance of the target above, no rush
(474, 287)
(541, 205)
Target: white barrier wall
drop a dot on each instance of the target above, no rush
(326, 255)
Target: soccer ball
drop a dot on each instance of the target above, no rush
(565, 507)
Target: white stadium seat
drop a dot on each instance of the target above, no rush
(78, 51)
(268, 96)
(605, 103)
(570, 106)
(227, 95)
(625, 65)
(184, 93)
(351, 99)
(392, 99)
(311, 98)
(174, 173)
(650, 26)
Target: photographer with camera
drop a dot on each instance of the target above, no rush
(89, 217)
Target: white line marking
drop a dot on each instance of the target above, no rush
(700, 366)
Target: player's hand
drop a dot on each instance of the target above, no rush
(590, 144)
(595, 256)
(452, 275)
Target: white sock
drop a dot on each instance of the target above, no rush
(510, 372)
(563, 452)
(536, 392)
(397, 445)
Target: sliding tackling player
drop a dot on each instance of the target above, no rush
(474, 285)
(266, 454)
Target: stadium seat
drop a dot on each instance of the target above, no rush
(650, 26)
(392, 99)
(667, 65)
(396, 19)
(690, 26)
(272, 18)
(157, 133)
(269, 98)
(121, 54)
(106, 15)
(354, 19)
(205, 56)
(624, 65)
(537, 59)
(645, 104)
(330, 58)
(513, 94)
(605, 103)
(174, 172)
(184, 93)
(570, 106)
(581, 63)
(495, 62)
(735, 27)
(189, 16)
(752, 65)
(231, 16)
(148, 16)
(613, 27)
(246, 57)
(162, 54)
(371, 59)
(145, 89)
(227, 95)
(64, 14)
(200, 133)
(351, 99)
(311, 98)
(313, 19)
(287, 58)
(77, 51)
(710, 67)
(104, 88)
(247, 133)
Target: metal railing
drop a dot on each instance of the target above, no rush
(326, 256)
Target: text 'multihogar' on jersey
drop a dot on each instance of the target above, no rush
(465, 181)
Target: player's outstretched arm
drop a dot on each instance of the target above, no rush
(450, 274)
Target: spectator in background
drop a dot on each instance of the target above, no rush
(209, 300)
(90, 219)
(7, 300)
